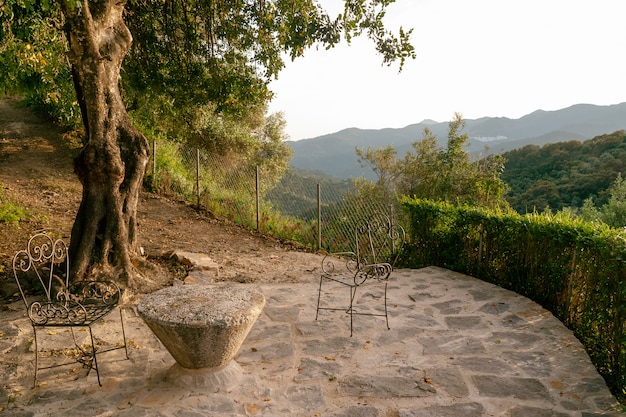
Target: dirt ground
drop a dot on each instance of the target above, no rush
(36, 173)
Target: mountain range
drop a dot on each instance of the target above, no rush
(334, 154)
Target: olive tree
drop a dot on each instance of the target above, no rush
(186, 53)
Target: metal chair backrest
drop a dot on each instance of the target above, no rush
(378, 241)
(43, 267)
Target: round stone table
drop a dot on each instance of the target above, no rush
(203, 327)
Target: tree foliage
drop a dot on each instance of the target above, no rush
(187, 53)
(613, 212)
(33, 59)
(432, 173)
(203, 67)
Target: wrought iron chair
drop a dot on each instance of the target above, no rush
(377, 244)
(43, 268)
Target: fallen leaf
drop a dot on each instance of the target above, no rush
(557, 384)
(252, 409)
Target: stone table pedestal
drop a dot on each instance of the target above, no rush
(203, 327)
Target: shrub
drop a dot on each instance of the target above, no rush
(11, 212)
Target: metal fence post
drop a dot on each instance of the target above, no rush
(392, 227)
(154, 162)
(319, 216)
(258, 201)
(198, 176)
(480, 249)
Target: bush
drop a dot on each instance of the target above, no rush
(11, 213)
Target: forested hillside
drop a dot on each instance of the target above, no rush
(296, 193)
(564, 174)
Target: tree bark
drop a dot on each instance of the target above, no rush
(113, 160)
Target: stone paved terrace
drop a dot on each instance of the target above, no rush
(457, 347)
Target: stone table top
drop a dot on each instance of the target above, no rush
(200, 305)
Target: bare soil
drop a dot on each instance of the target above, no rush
(36, 173)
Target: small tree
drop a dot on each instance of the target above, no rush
(384, 164)
(613, 212)
(429, 172)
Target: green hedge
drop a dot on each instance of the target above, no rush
(575, 269)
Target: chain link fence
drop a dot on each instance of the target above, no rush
(313, 210)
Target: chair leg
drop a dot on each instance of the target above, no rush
(74, 338)
(319, 295)
(386, 315)
(123, 332)
(36, 356)
(95, 357)
(352, 295)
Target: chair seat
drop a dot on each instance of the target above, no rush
(378, 272)
(345, 279)
(45, 314)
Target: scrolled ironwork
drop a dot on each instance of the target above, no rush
(22, 261)
(77, 314)
(107, 292)
(379, 272)
(41, 313)
(43, 248)
(334, 262)
(54, 314)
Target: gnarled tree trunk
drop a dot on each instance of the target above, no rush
(113, 160)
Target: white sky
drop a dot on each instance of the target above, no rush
(477, 57)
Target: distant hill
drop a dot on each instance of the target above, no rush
(334, 153)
